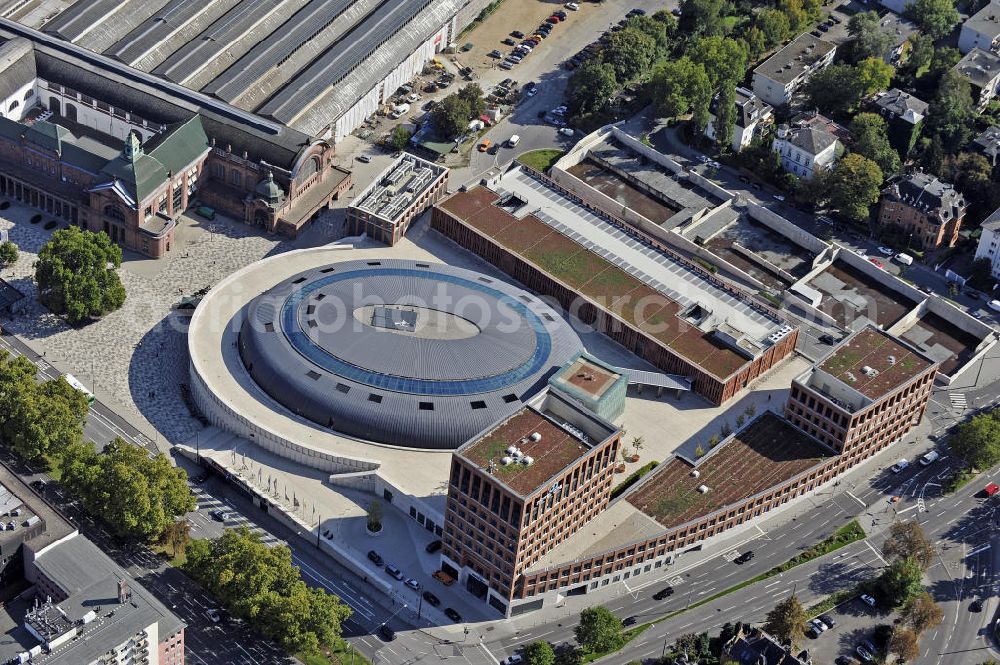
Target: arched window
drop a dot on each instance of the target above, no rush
(13, 105)
(114, 212)
(309, 168)
(28, 95)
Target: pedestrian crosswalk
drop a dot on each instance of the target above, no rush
(958, 401)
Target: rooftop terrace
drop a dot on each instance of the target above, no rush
(873, 363)
(765, 453)
(587, 376)
(646, 288)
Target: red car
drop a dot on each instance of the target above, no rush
(992, 489)
(877, 263)
(553, 20)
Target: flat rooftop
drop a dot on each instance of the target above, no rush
(765, 453)
(979, 67)
(614, 186)
(942, 341)
(555, 450)
(649, 289)
(873, 363)
(14, 493)
(762, 242)
(801, 53)
(586, 376)
(852, 296)
(392, 192)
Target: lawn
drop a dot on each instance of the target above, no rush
(540, 160)
(342, 654)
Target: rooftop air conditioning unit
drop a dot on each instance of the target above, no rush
(528, 460)
(695, 473)
(703, 489)
(535, 436)
(506, 460)
(511, 450)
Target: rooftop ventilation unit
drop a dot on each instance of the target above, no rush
(703, 489)
(869, 371)
(851, 377)
(527, 460)
(506, 460)
(695, 473)
(892, 360)
(535, 437)
(511, 450)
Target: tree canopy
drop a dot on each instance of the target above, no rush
(38, 420)
(680, 86)
(76, 274)
(261, 585)
(724, 59)
(599, 630)
(907, 539)
(855, 185)
(937, 18)
(703, 17)
(871, 139)
(451, 116)
(977, 440)
(904, 644)
(538, 653)
(868, 40)
(591, 86)
(8, 253)
(900, 581)
(921, 613)
(875, 75)
(137, 495)
(630, 52)
(786, 620)
(835, 90)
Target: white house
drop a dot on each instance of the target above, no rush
(778, 78)
(805, 150)
(982, 29)
(989, 243)
(751, 113)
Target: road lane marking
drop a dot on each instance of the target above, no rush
(877, 553)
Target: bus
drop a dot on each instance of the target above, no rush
(76, 384)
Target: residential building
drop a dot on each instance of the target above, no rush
(988, 143)
(752, 646)
(520, 488)
(989, 243)
(899, 30)
(807, 146)
(927, 210)
(982, 29)
(751, 114)
(897, 6)
(399, 195)
(779, 77)
(982, 70)
(66, 601)
(863, 395)
(904, 115)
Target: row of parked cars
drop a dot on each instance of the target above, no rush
(593, 49)
(529, 42)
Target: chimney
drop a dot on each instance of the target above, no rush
(123, 591)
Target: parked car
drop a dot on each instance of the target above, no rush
(815, 33)
(886, 251)
(868, 600)
(509, 41)
(828, 620)
(844, 660)
(779, 197)
(976, 605)
(375, 558)
(514, 659)
(412, 583)
(875, 262)
(393, 571)
(929, 458)
(484, 145)
(827, 339)
(364, 159)
(995, 305)
(663, 593)
(900, 465)
(452, 614)
(864, 653)
(816, 628)
(495, 54)
(517, 34)
(905, 259)
(567, 131)
(572, 6)
(991, 489)
(431, 599)
(433, 546)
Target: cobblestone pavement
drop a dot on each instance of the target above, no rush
(137, 357)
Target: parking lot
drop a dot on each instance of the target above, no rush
(854, 624)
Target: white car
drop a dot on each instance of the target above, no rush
(412, 97)
(860, 252)
(886, 251)
(213, 615)
(572, 6)
(413, 584)
(779, 197)
(868, 600)
(715, 165)
(900, 465)
(817, 627)
(566, 131)
(995, 305)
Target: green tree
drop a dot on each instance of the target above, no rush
(937, 18)
(855, 185)
(703, 17)
(76, 274)
(375, 516)
(871, 139)
(907, 540)
(8, 253)
(875, 75)
(900, 581)
(920, 50)
(472, 95)
(136, 494)
(38, 420)
(260, 584)
(921, 613)
(756, 42)
(786, 620)
(796, 13)
(630, 52)
(591, 86)
(176, 536)
(599, 630)
(724, 59)
(660, 27)
(451, 116)
(867, 37)
(538, 653)
(678, 86)
(904, 644)
(977, 440)
(725, 115)
(835, 90)
(773, 25)
(399, 138)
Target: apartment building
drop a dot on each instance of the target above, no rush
(989, 243)
(779, 77)
(926, 209)
(982, 70)
(982, 29)
(904, 114)
(751, 114)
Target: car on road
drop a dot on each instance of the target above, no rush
(991, 489)
(663, 593)
(567, 131)
(868, 600)
(386, 633)
(886, 251)
(976, 605)
(393, 571)
(743, 558)
(219, 515)
(484, 146)
(452, 614)
(412, 583)
(827, 339)
(375, 557)
(433, 546)
(900, 465)
(213, 615)
(431, 599)
(364, 159)
(629, 621)
(929, 458)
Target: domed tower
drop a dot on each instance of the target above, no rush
(270, 192)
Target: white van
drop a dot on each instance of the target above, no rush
(995, 305)
(513, 140)
(905, 259)
(929, 458)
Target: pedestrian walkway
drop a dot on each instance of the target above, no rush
(958, 401)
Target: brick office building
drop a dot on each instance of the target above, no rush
(925, 210)
(522, 487)
(867, 393)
